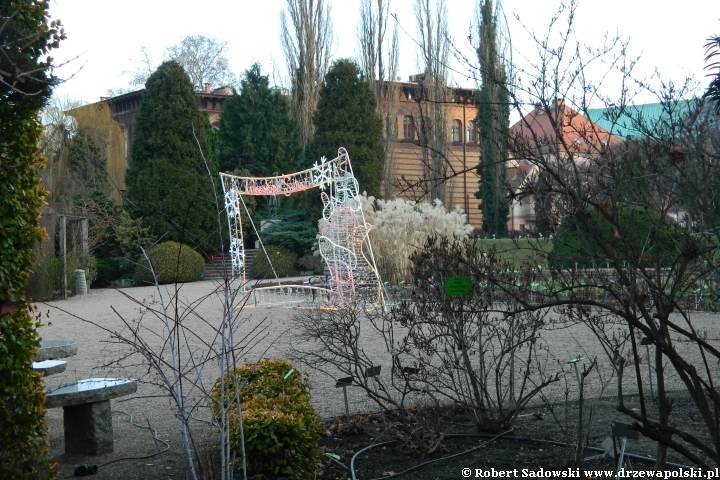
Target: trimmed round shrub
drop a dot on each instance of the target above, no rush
(172, 262)
(634, 236)
(283, 261)
(280, 425)
(265, 378)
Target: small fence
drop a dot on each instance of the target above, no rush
(288, 295)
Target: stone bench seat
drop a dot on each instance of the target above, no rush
(50, 367)
(87, 418)
(54, 349)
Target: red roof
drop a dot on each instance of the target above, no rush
(577, 134)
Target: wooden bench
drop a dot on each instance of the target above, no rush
(87, 418)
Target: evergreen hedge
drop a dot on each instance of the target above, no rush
(283, 262)
(627, 235)
(26, 37)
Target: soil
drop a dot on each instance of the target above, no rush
(521, 448)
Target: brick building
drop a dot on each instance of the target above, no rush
(406, 162)
(553, 132)
(125, 109)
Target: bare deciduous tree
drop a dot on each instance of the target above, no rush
(379, 66)
(638, 240)
(433, 34)
(204, 59)
(306, 39)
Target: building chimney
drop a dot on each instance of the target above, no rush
(207, 88)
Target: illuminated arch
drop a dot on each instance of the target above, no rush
(343, 232)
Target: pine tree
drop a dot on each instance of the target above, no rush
(256, 131)
(168, 182)
(347, 117)
(493, 120)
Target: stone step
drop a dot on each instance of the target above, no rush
(222, 265)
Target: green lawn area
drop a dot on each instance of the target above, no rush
(518, 251)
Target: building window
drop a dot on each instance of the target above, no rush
(456, 131)
(408, 127)
(471, 133)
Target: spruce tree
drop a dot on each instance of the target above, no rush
(347, 117)
(168, 183)
(493, 120)
(255, 130)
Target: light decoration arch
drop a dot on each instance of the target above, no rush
(343, 240)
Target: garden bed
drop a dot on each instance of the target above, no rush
(531, 445)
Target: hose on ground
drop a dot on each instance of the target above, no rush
(491, 438)
(140, 457)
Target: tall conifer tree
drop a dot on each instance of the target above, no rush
(493, 120)
(168, 182)
(256, 131)
(347, 117)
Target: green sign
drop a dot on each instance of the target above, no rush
(457, 286)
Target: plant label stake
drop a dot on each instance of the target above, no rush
(455, 286)
(344, 383)
(287, 375)
(372, 372)
(623, 431)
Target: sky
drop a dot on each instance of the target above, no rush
(104, 38)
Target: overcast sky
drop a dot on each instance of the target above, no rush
(107, 36)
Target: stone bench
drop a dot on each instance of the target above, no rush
(54, 349)
(87, 418)
(49, 367)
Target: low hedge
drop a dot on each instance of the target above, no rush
(283, 262)
(110, 269)
(635, 235)
(172, 262)
(280, 425)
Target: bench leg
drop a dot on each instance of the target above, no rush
(88, 428)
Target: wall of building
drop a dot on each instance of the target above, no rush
(406, 159)
(125, 109)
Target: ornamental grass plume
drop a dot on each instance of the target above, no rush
(400, 227)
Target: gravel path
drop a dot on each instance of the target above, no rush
(90, 319)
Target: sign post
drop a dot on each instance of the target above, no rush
(456, 286)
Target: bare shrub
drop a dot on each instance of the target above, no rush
(441, 350)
